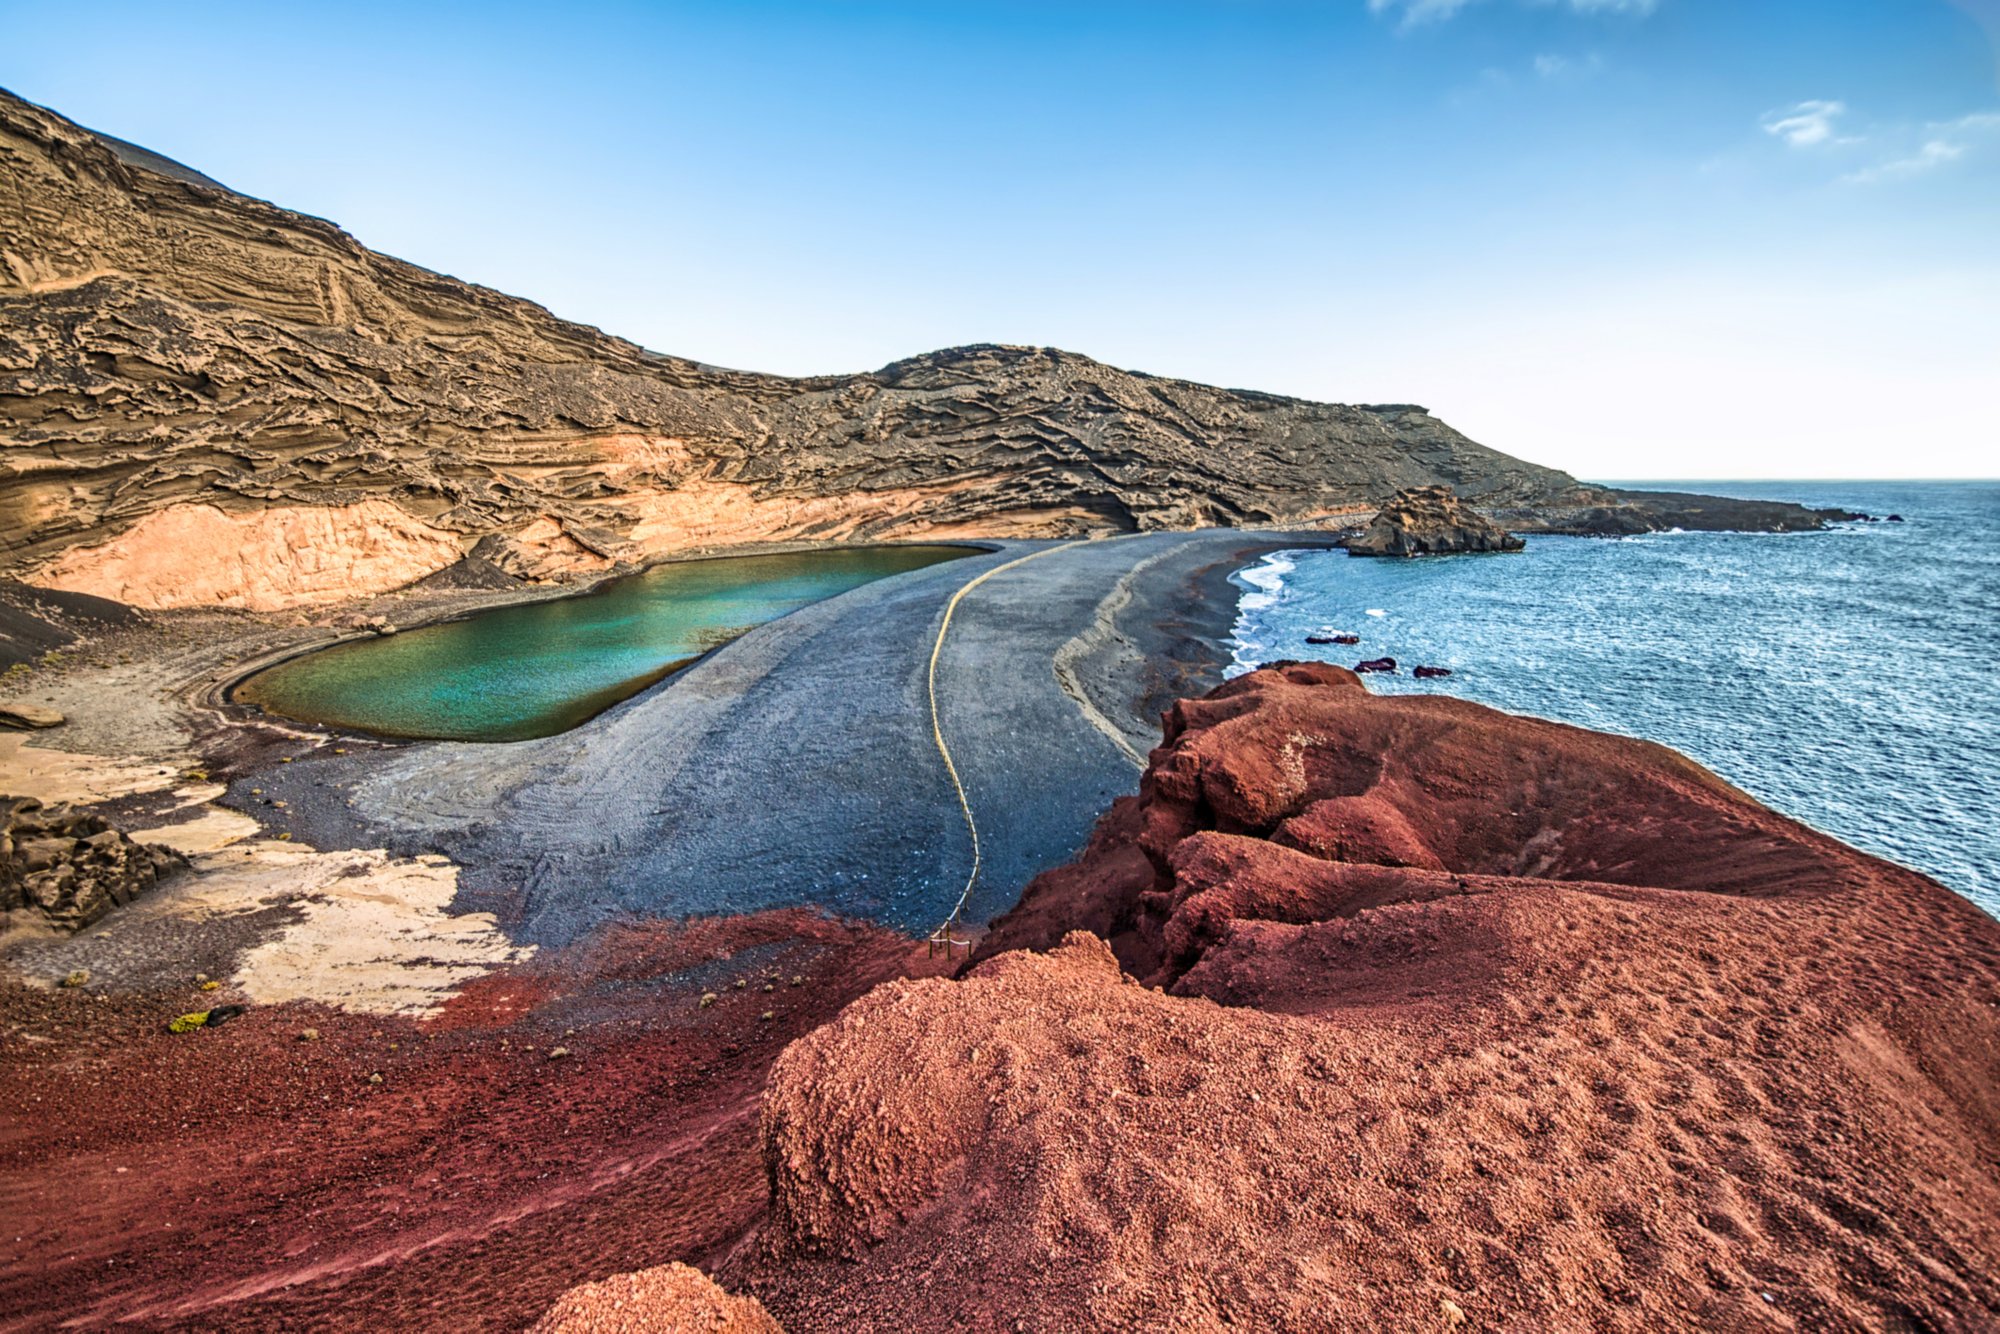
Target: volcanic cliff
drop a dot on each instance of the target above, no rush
(1400, 1012)
(208, 399)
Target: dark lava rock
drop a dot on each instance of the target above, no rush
(1333, 639)
(1429, 521)
(1429, 673)
(70, 866)
(1376, 665)
(1604, 512)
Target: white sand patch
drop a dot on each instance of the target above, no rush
(377, 935)
(52, 776)
(214, 829)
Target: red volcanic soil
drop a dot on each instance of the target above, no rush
(1413, 1015)
(244, 1178)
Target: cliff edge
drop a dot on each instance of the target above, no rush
(1403, 1012)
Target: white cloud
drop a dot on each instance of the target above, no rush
(1944, 142)
(1806, 124)
(1419, 12)
(1556, 67)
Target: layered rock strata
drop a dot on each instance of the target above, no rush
(182, 367)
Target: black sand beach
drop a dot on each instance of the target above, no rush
(795, 766)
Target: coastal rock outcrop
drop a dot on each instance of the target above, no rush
(1406, 1013)
(68, 867)
(170, 347)
(1429, 521)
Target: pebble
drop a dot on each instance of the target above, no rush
(708, 998)
(375, 1078)
(77, 977)
(557, 1053)
(309, 1035)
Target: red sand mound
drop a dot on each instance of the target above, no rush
(672, 1299)
(1468, 1019)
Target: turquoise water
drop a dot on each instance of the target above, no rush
(1845, 678)
(516, 673)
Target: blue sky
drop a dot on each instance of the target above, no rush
(1676, 238)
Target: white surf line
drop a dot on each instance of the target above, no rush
(1100, 631)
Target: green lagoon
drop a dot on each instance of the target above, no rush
(516, 673)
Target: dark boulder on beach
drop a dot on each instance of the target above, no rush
(1430, 521)
(70, 868)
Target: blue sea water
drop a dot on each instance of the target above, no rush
(1846, 678)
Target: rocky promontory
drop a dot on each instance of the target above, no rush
(1406, 1013)
(1429, 521)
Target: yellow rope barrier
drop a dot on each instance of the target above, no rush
(943, 935)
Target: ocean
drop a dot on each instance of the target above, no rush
(1845, 678)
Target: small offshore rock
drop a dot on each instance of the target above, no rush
(1376, 665)
(1429, 521)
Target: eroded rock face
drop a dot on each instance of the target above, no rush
(69, 867)
(165, 344)
(1412, 1013)
(198, 555)
(1430, 521)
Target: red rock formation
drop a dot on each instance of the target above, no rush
(1419, 1015)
